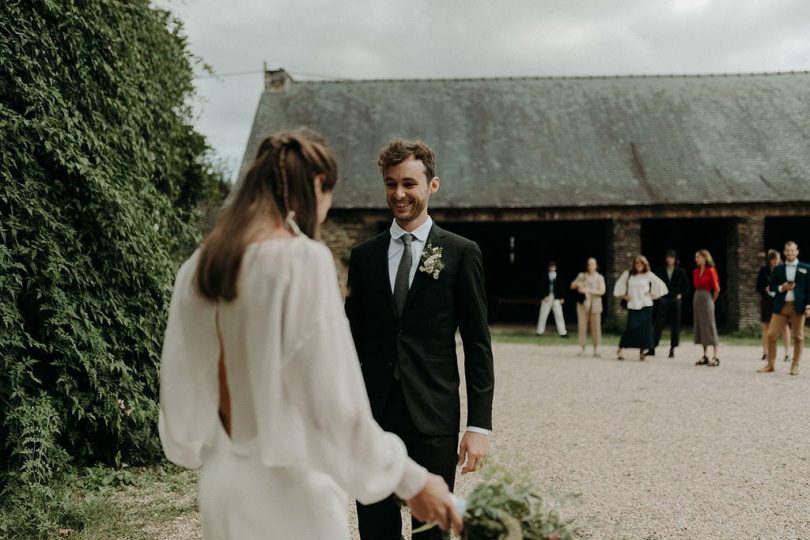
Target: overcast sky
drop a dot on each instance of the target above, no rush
(473, 38)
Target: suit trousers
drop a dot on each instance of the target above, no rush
(548, 305)
(776, 327)
(588, 319)
(438, 454)
(668, 312)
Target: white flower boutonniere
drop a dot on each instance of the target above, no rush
(432, 263)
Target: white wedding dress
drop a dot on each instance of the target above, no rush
(302, 434)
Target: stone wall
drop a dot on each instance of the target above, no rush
(341, 234)
(746, 236)
(625, 245)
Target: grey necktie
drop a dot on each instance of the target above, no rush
(401, 282)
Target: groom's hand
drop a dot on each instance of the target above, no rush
(471, 452)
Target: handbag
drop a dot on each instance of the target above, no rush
(581, 297)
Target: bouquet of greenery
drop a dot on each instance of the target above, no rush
(503, 507)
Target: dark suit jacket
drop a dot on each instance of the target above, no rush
(423, 339)
(546, 286)
(763, 281)
(679, 284)
(801, 293)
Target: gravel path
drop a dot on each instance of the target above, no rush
(659, 449)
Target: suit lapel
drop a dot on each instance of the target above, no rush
(434, 239)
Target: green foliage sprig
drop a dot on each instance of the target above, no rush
(509, 507)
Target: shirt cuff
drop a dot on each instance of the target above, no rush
(413, 481)
(482, 431)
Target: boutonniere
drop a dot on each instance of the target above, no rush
(803, 270)
(432, 263)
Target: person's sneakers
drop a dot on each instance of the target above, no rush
(672, 352)
(651, 352)
(564, 336)
(702, 362)
(714, 363)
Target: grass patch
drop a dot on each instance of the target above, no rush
(507, 335)
(100, 503)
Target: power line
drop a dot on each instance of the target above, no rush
(259, 71)
(230, 74)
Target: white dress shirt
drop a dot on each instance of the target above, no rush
(790, 275)
(552, 277)
(395, 248)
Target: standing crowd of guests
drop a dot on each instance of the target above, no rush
(653, 300)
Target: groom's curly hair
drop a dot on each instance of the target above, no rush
(398, 150)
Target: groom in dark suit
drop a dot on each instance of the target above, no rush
(410, 288)
(791, 305)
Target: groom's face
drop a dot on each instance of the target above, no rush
(408, 190)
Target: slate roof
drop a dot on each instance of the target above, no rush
(563, 142)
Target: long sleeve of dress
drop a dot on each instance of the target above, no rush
(188, 373)
(322, 378)
(620, 287)
(658, 288)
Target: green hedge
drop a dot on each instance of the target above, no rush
(104, 182)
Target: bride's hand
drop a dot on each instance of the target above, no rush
(434, 503)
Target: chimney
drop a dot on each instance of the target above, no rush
(276, 80)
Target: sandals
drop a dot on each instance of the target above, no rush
(703, 361)
(714, 363)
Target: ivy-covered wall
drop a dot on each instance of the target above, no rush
(102, 184)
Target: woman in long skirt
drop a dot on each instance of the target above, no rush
(638, 287)
(707, 289)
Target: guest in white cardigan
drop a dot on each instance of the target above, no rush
(638, 287)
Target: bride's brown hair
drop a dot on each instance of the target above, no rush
(280, 182)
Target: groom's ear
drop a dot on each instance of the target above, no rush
(434, 184)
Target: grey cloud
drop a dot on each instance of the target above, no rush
(477, 38)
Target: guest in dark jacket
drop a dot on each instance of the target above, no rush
(773, 260)
(668, 308)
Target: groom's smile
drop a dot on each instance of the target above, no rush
(408, 191)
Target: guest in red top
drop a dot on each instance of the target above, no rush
(707, 289)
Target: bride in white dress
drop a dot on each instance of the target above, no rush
(259, 381)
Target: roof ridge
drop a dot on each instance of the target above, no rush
(563, 77)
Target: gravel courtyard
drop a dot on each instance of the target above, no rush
(659, 449)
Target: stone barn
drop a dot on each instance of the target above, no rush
(565, 168)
